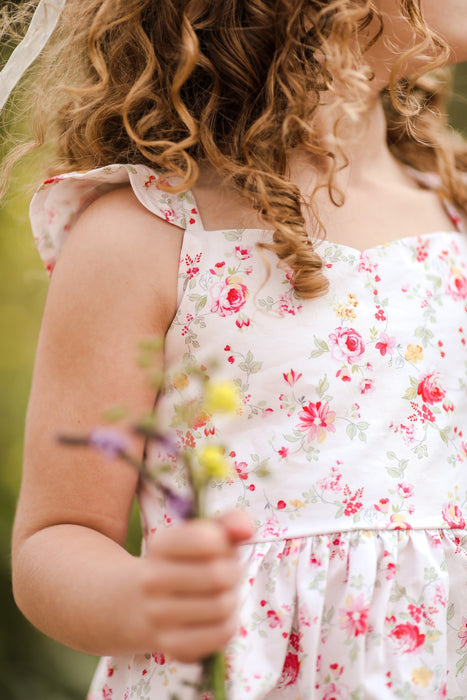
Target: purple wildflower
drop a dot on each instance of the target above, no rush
(109, 442)
(182, 507)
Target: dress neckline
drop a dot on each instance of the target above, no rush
(430, 181)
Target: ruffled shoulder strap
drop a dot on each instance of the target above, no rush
(59, 202)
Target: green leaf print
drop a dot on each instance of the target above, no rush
(233, 235)
(461, 664)
(323, 386)
(321, 347)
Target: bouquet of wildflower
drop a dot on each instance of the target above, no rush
(202, 466)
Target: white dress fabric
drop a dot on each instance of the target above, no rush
(355, 403)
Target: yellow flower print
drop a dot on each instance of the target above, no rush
(181, 381)
(422, 676)
(414, 353)
(296, 503)
(347, 309)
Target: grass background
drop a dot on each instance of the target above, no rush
(33, 667)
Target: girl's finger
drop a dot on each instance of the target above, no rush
(189, 611)
(193, 540)
(191, 644)
(189, 578)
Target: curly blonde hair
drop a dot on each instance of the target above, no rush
(235, 83)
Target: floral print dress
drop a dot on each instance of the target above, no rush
(355, 406)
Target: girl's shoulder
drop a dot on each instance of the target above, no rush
(140, 192)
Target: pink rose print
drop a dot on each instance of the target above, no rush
(406, 637)
(335, 691)
(229, 297)
(453, 516)
(386, 344)
(457, 285)
(429, 388)
(290, 671)
(346, 344)
(354, 615)
(463, 633)
(317, 419)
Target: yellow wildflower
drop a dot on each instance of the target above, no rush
(414, 353)
(213, 463)
(422, 676)
(181, 381)
(221, 397)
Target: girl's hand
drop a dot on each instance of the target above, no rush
(189, 586)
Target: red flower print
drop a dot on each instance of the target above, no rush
(406, 637)
(463, 633)
(346, 344)
(242, 470)
(429, 388)
(422, 252)
(159, 659)
(50, 265)
(382, 505)
(290, 671)
(386, 344)
(291, 378)
(283, 452)
(336, 691)
(149, 181)
(274, 619)
(169, 215)
(106, 692)
(405, 490)
(242, 253)
(294, 641)
(229, 296)
(457, 285)
(286, 307)
(453, 516)
(281, 505)
(367, 385)
(317, 420)
(344, 375)
(354, 615)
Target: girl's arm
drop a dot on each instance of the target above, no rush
(115, 283)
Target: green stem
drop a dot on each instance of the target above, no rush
(213, 678)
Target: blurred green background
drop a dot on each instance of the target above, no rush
(31, 666)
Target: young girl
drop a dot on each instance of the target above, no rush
(270, 184)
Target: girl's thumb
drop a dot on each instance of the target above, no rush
(237, 525)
